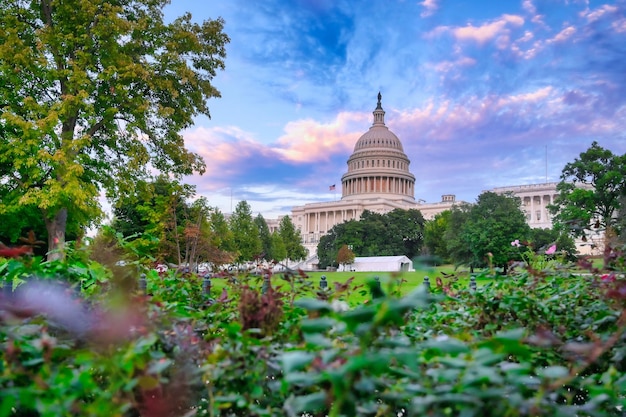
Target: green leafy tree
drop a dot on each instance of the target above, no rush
(278, 251)
(197, 234)
(245, 232)
(492, 224)
(434, 235)
(292, 239)
(621, 220)
(221, 235)
(345, 255)
(372, 233)
(25, 220)
(222, 249)
(347, 233)
(590, 191)
(94, 95)
(158, 209)
(264, 236)
(406, 229)
(398, 232)
(456, 246)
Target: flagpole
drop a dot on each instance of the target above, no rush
(546, 164)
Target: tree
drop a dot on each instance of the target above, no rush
(434, 235)
(245, 232)
(158, 209)
(345, 255)
(292, 239)
(222, 244)
(398, 232)
(406, 227)
(492, 224)
(279, 251)
(329, 243)
(221, 235)
(26, 220)
(456, 246)
(590, 192)
(264, 236)
(94, 95)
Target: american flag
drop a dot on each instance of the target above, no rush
(331, 188)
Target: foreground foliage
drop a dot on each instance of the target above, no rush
(524, 345)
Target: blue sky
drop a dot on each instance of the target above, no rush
(477, 91)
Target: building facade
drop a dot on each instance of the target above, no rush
(378, 179)
(535, 199)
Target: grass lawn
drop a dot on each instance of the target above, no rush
(406, 281)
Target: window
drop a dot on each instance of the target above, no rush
(538, 214)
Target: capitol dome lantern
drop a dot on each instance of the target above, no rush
(378, 167)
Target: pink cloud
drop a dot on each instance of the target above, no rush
(308, 140)
(545, 111)
(619, 26)
(487, 32)
(596, 14)
(563, 35)
(223, 148)
(539, 95)
(446, 66)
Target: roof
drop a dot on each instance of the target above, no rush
(380, 259)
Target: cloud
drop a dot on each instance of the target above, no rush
(309, 141)
(497, 29)
(475, 105)
(593, 15)
(307, 151)
(446, 66)
(430, 7)
(563, 35)
(529, 7)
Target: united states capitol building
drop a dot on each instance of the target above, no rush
(379, 179)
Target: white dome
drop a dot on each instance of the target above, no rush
(378, 167)
(379, 136)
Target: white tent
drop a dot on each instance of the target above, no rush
(381, 264)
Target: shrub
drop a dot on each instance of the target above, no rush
(532, 344)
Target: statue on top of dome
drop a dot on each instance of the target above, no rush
(379, 98)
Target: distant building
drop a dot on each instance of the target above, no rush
(378, 179)
(535, 199)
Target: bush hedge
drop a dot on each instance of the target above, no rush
(540, 344)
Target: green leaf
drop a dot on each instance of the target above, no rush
(313, 304)
(553, 372)
(295, 406)
(7, 402)
(317, 340)
(319, 325)
(296, 360)
(359, 315)
(449, 346)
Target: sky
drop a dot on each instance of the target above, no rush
(482, 94)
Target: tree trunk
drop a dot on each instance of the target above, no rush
(56, 234)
